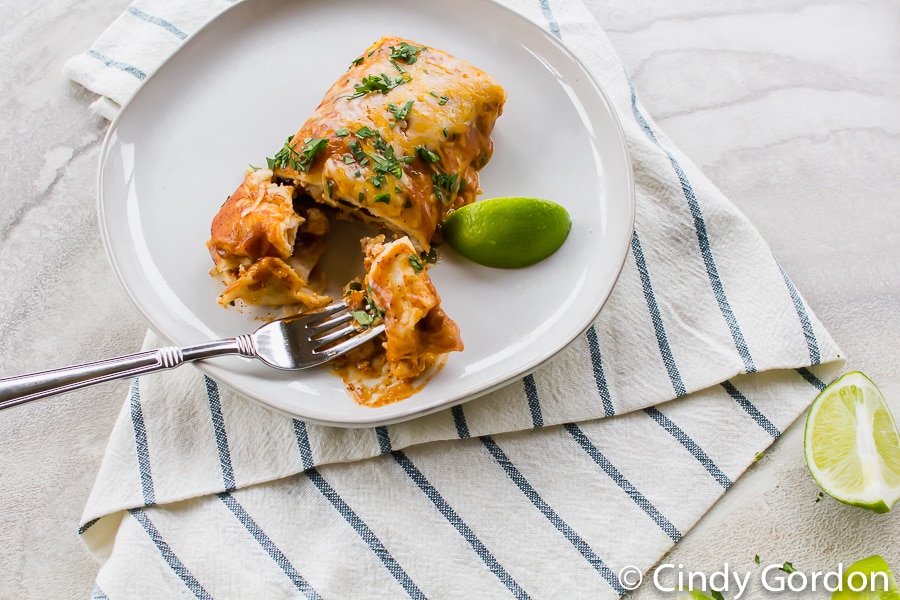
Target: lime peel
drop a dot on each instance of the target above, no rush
(878, 576)
(508, 232)
(852, 444)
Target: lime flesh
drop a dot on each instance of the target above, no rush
(852, 445)
(878, 576)
(507, 233)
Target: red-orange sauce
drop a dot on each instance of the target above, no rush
(371, 383)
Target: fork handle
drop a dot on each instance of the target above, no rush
(25, 388)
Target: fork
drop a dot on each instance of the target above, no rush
(291, 343)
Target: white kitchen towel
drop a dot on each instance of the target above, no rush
(553, 486)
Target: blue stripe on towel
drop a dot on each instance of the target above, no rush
(668, 528)
(459, 419)
(811, 378)
(97, 593)
(268, 545)
(454, 519)
(173, 561)
(157, 21)
(812, 343)
(131, 70)
(551, 20)
(690, 445)
(599, 377)
(218, 422)
(660, 329)
(754, 412)
(702, 239)
(302, 435)
(87, 526)
(384, 439)
(534, 402)
(551, 515)
(366, 534)
(140, 442)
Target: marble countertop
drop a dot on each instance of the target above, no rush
(790, 106)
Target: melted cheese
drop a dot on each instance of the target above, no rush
(418, 331)
(454, 107)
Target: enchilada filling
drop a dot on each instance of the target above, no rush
(397, 142)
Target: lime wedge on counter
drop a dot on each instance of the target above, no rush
(507, 233)
(852, 445)
(876, 575)
(691, 595)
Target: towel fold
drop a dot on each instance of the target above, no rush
(553, 486)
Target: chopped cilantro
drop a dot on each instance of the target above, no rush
(362, 317)
(433, 93)
(416, 263)
(387, 163)
(430, 256)
(756, 559)
(385, 198)
(364, 132)
(358, 153)
(787, 567)
(378, 83)
(444, 100)
(356, 62)
(400, 112)
(445, 186)
(427, 155)
(355, 286)
(398, 67)
(406, 52)
(342, 132)
(288, 157)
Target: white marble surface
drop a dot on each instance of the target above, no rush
(792, 107)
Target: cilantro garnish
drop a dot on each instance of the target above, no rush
(445, 186)
(400, 112)
(379, 83)
(342, 132)
(385, 198)
(364, 132)
(388, 163)
(787, 568)
(444, 100)
(416, 263)
(288, 157)
(427, 155)
(406, 52)
(362, 317)
(356, 62)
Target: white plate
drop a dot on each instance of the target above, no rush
(238, 87)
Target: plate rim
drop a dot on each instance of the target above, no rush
(216, 371)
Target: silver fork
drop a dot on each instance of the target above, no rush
(291, 343)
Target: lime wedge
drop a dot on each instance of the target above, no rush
(852, 445)
(876, 582)
(507, 233)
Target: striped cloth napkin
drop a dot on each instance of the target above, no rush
(557, 485)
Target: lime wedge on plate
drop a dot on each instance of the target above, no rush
(852, 445)
(507, 233)
(876, 576)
